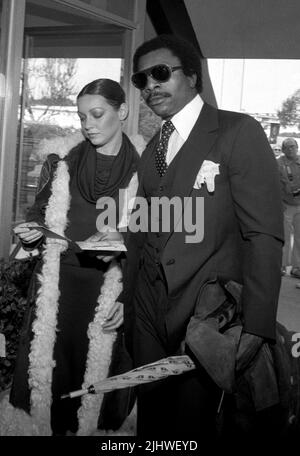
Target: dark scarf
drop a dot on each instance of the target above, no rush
(123, 167)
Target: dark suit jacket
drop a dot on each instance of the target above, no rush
(243, 227)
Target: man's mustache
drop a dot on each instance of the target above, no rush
(154, 95)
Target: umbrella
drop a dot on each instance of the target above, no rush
(173, 365)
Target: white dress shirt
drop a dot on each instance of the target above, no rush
(183, 122)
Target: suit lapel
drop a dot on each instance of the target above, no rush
(194, 151)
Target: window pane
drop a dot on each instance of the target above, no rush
(260, 88)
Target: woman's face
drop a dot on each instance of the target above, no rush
(100, 122)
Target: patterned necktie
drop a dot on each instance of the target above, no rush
(162, 148)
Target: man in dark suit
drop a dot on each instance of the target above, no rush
(222, 159)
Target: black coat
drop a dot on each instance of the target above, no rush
(243, 225)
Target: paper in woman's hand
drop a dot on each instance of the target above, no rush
(108, 245)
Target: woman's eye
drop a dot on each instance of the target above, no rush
(97, 115)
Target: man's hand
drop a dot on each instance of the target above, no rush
(26, 234)
(114, 318)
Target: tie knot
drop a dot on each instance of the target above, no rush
(167, 130)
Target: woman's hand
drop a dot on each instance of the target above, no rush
(108, 258)
(95, 237)
(26, 234)
(111, 236)
(114, 318)
(108, 234)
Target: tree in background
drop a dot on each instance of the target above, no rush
(49, 83)
(289, 114)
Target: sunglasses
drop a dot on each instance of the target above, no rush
(161, 73)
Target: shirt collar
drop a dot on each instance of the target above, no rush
(185, 119)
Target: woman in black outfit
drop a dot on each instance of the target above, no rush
(84, 336)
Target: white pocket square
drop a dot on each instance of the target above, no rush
(206, 175)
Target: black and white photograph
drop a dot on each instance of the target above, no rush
(150, 225)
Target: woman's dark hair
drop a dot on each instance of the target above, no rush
(187, 54)
(107, 88)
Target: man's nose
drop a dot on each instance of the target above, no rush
(151, 83)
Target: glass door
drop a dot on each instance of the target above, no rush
(59, 59)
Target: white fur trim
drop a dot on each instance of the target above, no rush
(100, 350)
(15, 422)
(44, 327)
(60, 145)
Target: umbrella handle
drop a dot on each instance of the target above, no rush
(89, 390)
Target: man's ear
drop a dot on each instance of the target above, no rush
(193, 80)
(123, 111)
